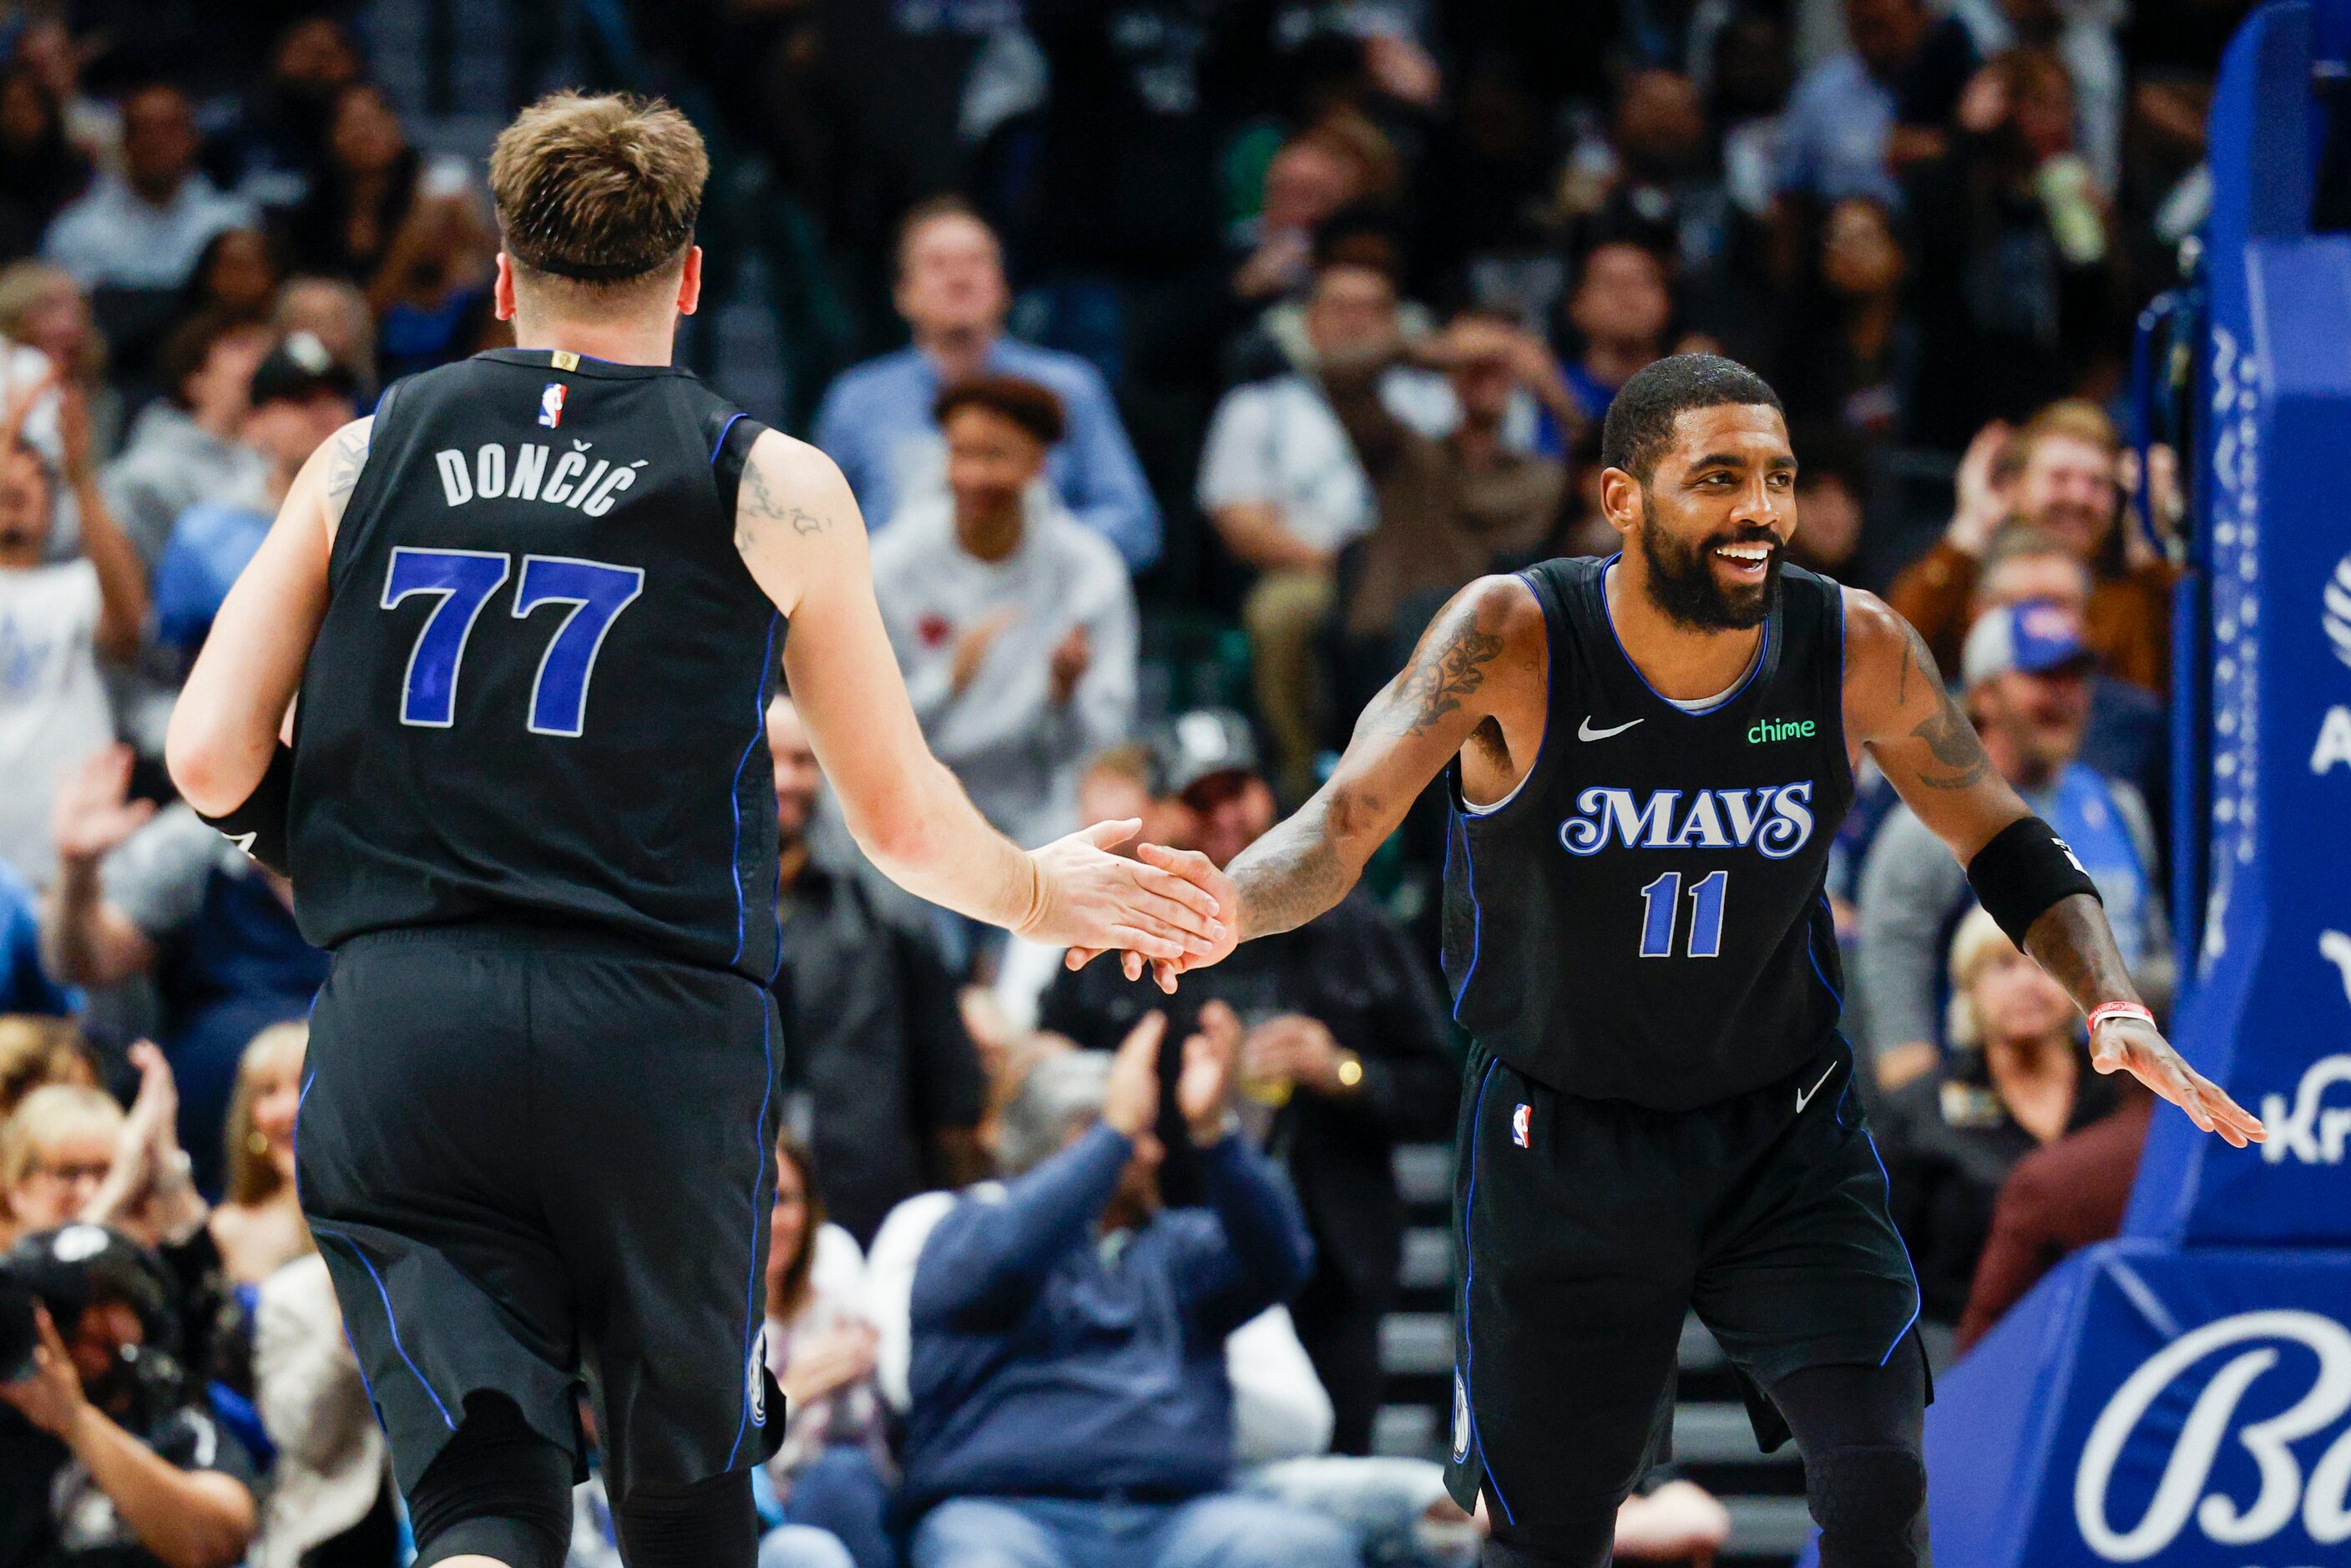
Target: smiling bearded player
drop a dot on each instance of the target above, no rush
(1648, 757)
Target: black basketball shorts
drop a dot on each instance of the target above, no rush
(1586, 1230)
(535, 1159)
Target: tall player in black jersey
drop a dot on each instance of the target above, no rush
(534, 608)
(1647, 759)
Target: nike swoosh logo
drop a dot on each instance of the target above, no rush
(1804, 1096)
(1585, 732)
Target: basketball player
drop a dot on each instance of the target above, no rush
(1647, 759)
(534, 607)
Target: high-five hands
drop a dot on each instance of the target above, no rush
(2123, 1045)
(1163, 908)
(1200, 872)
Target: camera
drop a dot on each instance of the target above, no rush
(69, 1271)
(19, 1331)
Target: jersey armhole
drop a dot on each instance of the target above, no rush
(1834, 591)
(728, 455)
(363, 488)
(1554, 614)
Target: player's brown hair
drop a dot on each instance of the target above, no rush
(601, 191)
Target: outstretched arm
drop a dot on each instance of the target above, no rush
(1897, 705)
(799, 530)
(1476, 680)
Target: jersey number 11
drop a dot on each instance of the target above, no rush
(1661, 905)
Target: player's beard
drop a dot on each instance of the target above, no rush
(1682, 581)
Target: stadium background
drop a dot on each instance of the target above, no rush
(1906, 250)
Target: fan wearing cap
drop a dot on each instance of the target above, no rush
(302, 395)
(2026, 671)
(1345, 1048)
(108, 1456)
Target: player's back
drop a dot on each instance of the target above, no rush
(539, 690)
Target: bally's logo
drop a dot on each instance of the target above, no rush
(1776, 820)
(2183, 1490)
(2336, 614)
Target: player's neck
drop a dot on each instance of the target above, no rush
(1678, 662)
(648, 340)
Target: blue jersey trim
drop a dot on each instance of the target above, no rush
(1468, 1278)
(1818, 973)
(1477, 913)
(753, 1319)
(735, 796)
(1762, 654)
(728, 429)
(390, 1322)
(1916, 1295)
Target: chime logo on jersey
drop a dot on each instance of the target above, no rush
(1775, 820)
(550, 404)
(1519, 1121)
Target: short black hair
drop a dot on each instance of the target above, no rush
(1034, 408)
(1640, 424)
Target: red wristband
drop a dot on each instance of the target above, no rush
(2105, 1010)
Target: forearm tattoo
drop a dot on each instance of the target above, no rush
(1295, 872)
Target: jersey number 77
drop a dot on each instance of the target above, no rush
(463, 581)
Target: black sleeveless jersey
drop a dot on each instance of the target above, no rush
(1644, 918)
(538, 695)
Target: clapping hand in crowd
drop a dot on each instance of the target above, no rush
(829, 1361)
(1983, 502)
(92, 813)
(1073, 657)
(1292, 1052)
(148, 1193)
(1203, 1089)
(51, 1398)
(972, 646)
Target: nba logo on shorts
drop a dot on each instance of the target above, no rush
(550, 404)
(754, 1378)
(1460, 1419)
(1520, 1120)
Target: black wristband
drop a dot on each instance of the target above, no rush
(2023, 871)
(258, 826)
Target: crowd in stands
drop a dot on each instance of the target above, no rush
(1184, 356)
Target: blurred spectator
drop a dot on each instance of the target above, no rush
(57, 1148)
(2080, 33)
(182, 448)
(1345, 1044)
(1282, 485)
(1449, 510)
(1620, 309)
(1855, 117)
(329, 1498)
(1951, 1136)
(109, 1457)
(1849, 356)
(57, 621)
(334, 311)
(281, 134)
(882, 1076)
(300, 395)
(1310, 179)
(1014, 624)
(833, 1472)
(1070, 1403)
(878, 422)
(24, 987)
(2026, 676)
(42, 309)
(1829, 490)
(92, 125)
(2058, 474)
(41, 169)
(142, 229)
(360, 191)
(258, 1225)
(2011, 278)
(35, 1049)
(2057, 1201)
(236, 276)
(175, 902)
(433, 292)
(2128, 736)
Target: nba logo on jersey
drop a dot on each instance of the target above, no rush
(1520, 1120)
(551, 405)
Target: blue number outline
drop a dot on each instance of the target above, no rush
(525, 602)
(1656, 944)
(449, 593)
